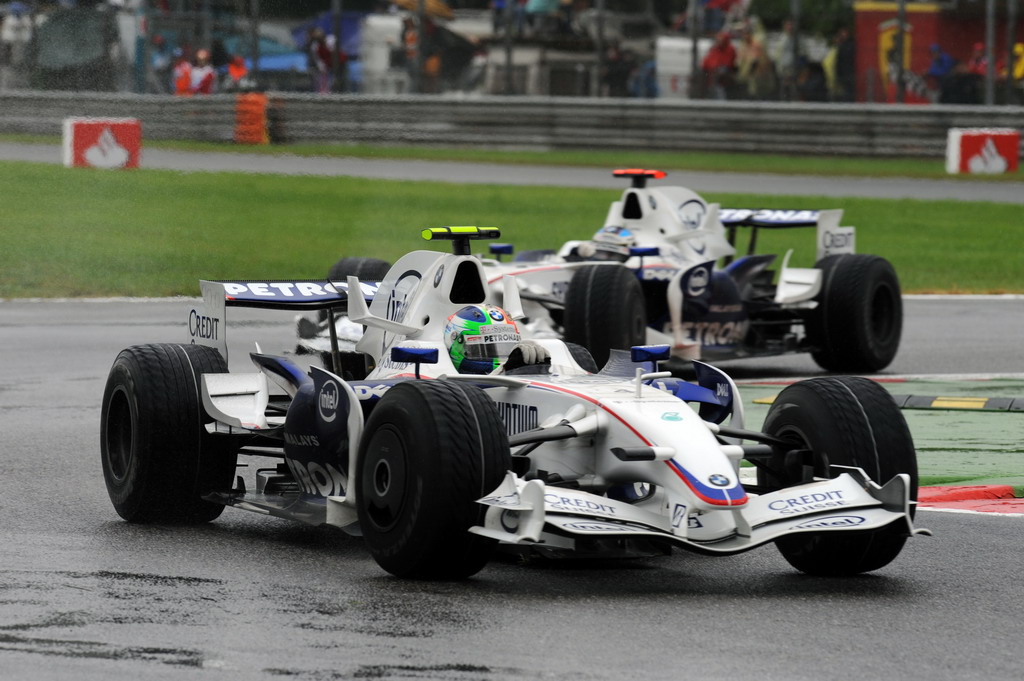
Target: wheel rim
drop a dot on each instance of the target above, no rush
(384, 477)
(120, 433)
(792, 434)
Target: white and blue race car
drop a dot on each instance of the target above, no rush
(435, 468)
(665, 268)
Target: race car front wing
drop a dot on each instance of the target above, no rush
(530, 512)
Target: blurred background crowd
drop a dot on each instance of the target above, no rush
(947, 51)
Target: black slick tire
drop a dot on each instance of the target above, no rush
(158, 459)
(852, 422)
(858, 322)
(430, 449)
(366, 269)
(604, 310)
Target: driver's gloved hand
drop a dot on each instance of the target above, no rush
(527, 353)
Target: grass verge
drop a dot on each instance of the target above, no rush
(80, 232)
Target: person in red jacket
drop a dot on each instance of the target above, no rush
(719, 66)
(182, 73)
(978, 63)
(204, 77)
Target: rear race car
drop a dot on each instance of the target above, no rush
(666, 268)
(436, 468)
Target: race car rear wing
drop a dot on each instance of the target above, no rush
(207, 324)
(832, 238)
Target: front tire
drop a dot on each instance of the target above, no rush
(853, 422)
(604, 310)
(429, 451)
(158, 460)
(858, 322)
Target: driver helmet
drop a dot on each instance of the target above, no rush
(613, 243)
(479, 338)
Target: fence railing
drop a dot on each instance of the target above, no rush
(541, 123)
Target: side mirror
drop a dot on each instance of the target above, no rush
(649, 353)
(498, 250)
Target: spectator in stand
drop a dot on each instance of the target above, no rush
(618, 66)
(429, 79)
(719, 66)
(786, 61)
(978, 64)
(204, 78)
(845, 68)
(318, 60)
(973, 78)
(941, 72)
(566, 16)
(542, 16)
(161, 59)
(754, 69)
(811, 82)
(15, 34)
(219, 57)
(498, 10)
(235, 78)
(643, 82)
(182, 73)
(717, 13)
(942, 64)
(1015, 73)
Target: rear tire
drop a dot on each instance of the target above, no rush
(857, 325)
(158, 460)
(604, 310)
(429, 451)
(854, 422)
(366, 269)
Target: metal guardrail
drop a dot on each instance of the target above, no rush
(769, 127)
(210, 118)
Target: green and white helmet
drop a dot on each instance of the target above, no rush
(480, 337)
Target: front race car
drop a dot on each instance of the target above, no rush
(435, 468)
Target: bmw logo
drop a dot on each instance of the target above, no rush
(718, 480)
(438, 275)
(497, 316)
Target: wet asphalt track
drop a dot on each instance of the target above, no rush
(86, 596)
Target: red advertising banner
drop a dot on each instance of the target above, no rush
(982, 150)
(102, 142)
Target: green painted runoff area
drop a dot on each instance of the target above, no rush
(954, 446)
